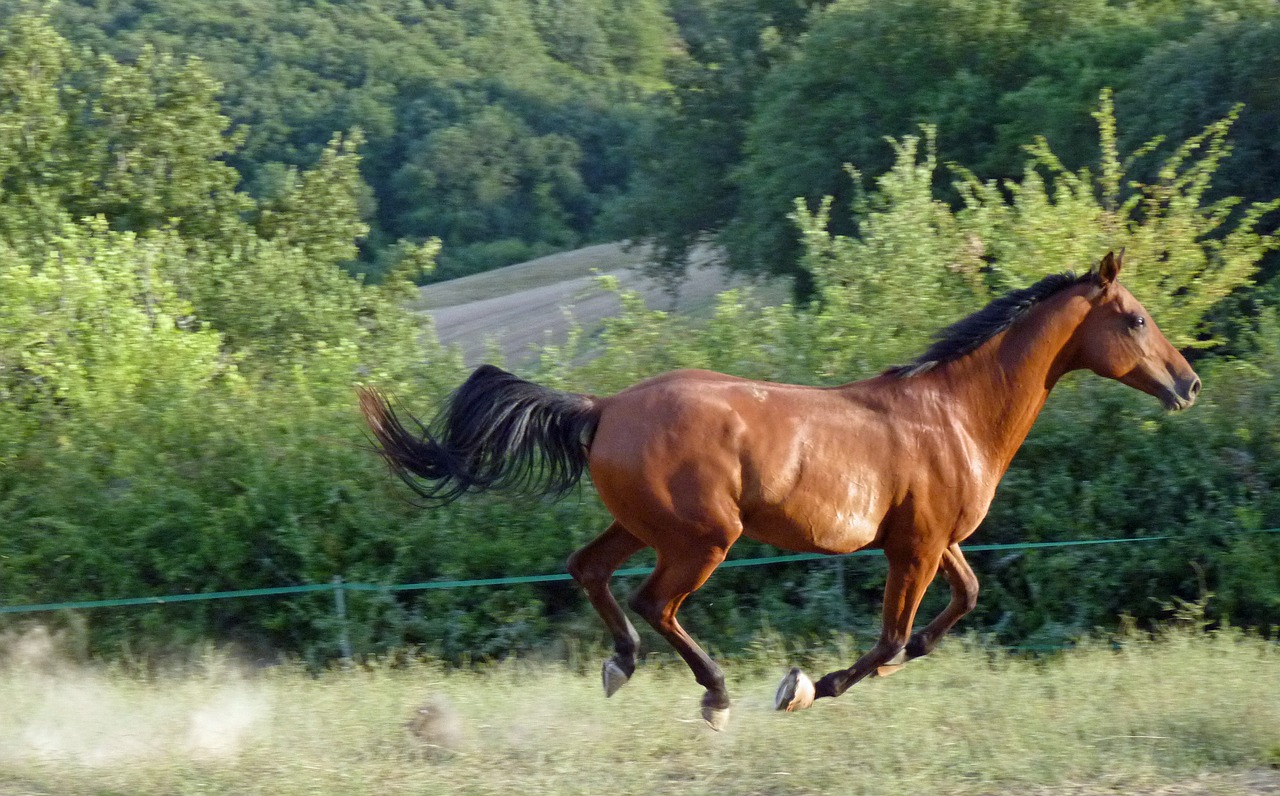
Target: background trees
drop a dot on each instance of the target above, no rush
(775, 115)
(543, 93)
(172, 348)
(510, 128)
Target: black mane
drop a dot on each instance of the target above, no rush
(968, 333)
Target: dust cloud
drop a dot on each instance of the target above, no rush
(57, 710)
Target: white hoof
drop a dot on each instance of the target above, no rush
(716, 718)
(614, 677)
(888, 669)
(892, 665)
(795, 692)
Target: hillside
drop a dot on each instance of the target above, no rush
(520, 306)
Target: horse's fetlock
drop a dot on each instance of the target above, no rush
(917, 646)
(713, 682)
(829, 685)
(625, 661)
(716, 700)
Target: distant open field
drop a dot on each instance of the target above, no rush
(521, 306)
(1191, 715)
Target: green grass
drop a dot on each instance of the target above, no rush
(1186, 714)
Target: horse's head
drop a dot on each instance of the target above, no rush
(1119, 340)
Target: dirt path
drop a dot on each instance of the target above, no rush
(522, 306)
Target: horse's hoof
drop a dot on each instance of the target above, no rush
(716, 718)
(614, 677)
(796, 692)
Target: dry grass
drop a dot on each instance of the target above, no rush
(1187, 715)
(549, 270)
(514, 312)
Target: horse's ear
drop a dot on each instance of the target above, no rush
(1108, 269)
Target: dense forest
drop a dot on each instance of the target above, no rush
(211, 218)
(498, 126)
(510, 128)
(772, 99)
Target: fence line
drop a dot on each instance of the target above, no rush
(339, 586)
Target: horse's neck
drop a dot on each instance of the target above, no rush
(1000, 387)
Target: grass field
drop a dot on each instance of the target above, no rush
(1189, 714)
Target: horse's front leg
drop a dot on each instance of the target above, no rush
(909, 576)
(964, 598)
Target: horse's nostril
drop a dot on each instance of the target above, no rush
(1195, 388)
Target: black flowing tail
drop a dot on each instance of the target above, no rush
(496, 431)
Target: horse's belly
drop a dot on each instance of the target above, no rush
(817, 527)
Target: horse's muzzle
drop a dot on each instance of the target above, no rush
(1182, 395)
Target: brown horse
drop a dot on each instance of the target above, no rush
(689, 461)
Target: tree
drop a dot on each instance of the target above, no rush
(570, 73)
(683, 189)
(1184, 85)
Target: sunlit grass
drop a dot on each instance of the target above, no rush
(965, 720)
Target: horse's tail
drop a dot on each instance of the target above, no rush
(496, 431)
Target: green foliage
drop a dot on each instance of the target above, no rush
(139, 144)
(881, 293)
(683, 188)
(1184, 85)
(484, 119)
(177, 388)
(740, 138)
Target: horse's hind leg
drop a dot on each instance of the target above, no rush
(658, 600)
(591, 567)
(964, 596)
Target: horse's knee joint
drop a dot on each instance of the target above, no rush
(970, 598)
(894, 642)
(576, 566)
(584, 572)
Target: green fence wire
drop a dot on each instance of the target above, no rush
(338, 586)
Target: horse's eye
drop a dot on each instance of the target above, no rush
(1137, 322)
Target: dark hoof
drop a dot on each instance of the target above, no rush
(614, 677)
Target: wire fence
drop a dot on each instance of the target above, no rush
(339, 586)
